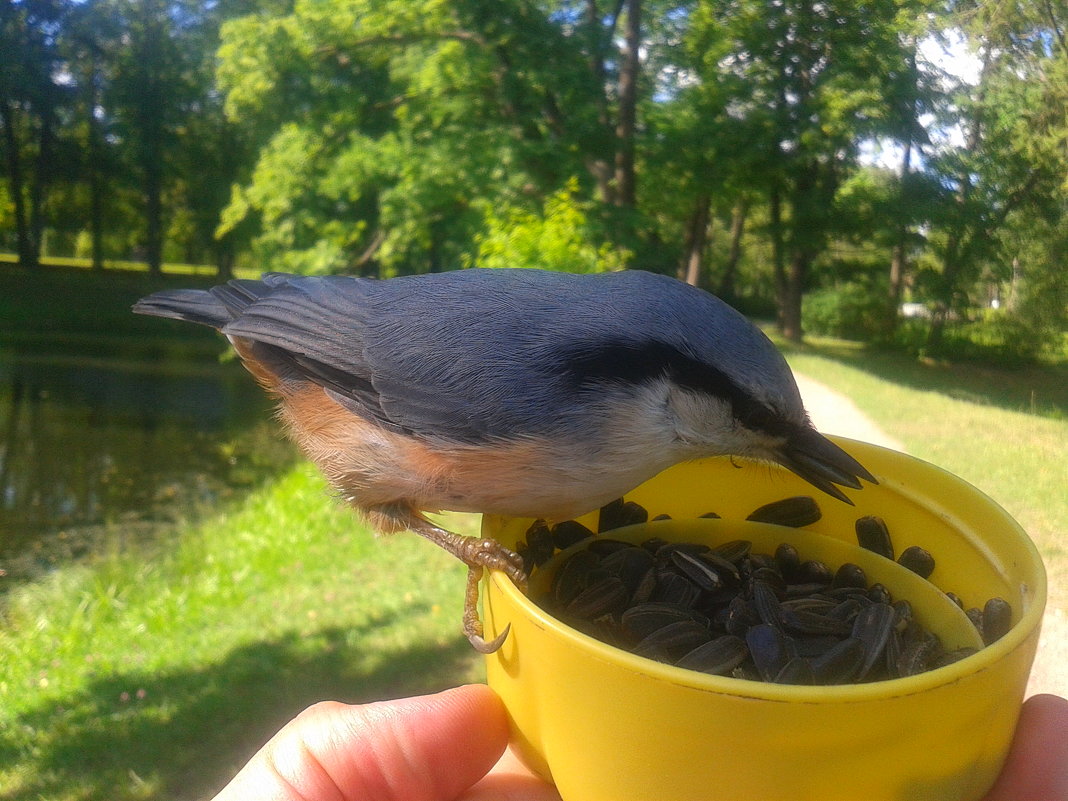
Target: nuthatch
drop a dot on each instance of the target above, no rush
(515, 392)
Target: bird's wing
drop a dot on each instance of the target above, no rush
(422, 357)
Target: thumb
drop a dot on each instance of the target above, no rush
(430, 748)
(1037, 767)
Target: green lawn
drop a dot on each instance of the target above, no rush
(153, 672)
(123, 265)
(1005, 431)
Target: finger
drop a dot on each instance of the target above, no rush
(511, 780)
(1037, 767)
(431, 747)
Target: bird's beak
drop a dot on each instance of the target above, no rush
(820, 462)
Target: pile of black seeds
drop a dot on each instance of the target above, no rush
(728, 611)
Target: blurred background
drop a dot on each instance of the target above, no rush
(883, 185)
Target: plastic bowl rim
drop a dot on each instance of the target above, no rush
(1027, 626)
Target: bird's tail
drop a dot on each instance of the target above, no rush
(214, 307)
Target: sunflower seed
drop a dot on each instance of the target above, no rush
(604, 597)
(788, 561)
(976, 616)
(914, 656)
(802, 622)
(797, 671)
(629, 565)
(814, 572)
(949, 657)
(918, 560)
(873, 626)
(569, 533)
(740, 617)
(879, 594)
(717, 657)
(540, 543)
(570, 578)
(646, 587)
(673, 588)
(766, 604)
(850, 575)
(795, 512)
(619, 513)
(642, 620)
(997, 620)
(769, 648)
(654, 544)
(673, 640)
(697, 570)
(734, 551)
(840, 664)
(873, 535)
(602, 546)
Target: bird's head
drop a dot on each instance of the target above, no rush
(749, 405)
(720, 385)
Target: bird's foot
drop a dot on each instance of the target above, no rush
(478, 554)
(472, 624)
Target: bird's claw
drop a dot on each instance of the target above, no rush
(472, 624)
(478, 642)
(478, 554)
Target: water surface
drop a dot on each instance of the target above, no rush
(129, 436)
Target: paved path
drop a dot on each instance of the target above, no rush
(834, 413)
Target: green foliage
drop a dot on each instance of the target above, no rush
(154, 672)
(850, 311)
(562, 237)
(393, 136)
(389, 126)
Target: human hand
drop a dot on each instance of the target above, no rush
(1037, 767)
(452, 747)
(446, 747)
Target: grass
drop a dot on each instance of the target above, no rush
(152, 670)
(1004, 431)
(155, 674)
(170, 268)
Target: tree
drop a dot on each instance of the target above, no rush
(30, 110)
(389, 126)
(807, 82)
(1014, 130)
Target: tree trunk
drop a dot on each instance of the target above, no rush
(628, 107)
(599, 167)
(734, 255)
(792, 294)
(696, 239)
(899, 254)
(27, 249)
(42, 178)
(153, 189)
(95, 169)
(150, 110)
(952, 261)
(778, 259)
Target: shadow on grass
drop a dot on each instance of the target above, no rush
(1037, 390)
(182, 735)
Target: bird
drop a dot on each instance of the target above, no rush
(510, 391)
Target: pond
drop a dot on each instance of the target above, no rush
(138, 435)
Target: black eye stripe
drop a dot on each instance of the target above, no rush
(638, 363)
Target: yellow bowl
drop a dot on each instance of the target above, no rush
(605, 725)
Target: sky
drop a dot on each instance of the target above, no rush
(951, 56)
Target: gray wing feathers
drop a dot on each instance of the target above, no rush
(343, 335)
